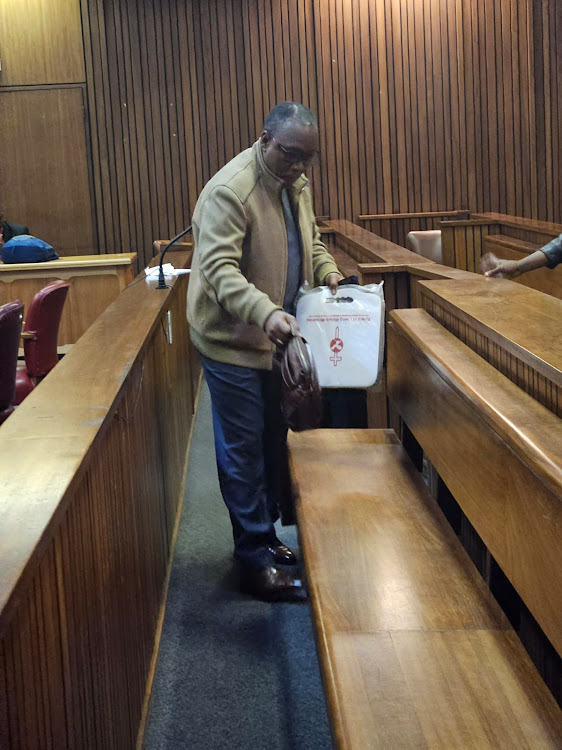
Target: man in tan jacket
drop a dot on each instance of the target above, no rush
(256, 241)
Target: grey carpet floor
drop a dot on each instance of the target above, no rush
(232, 671)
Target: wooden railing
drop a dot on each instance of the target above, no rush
(395, 227)
(520, 339)
(466, 236)
(509, 237)
(92, 472)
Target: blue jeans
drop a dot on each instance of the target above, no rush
(250, 445)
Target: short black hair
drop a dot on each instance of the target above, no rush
(289, 112)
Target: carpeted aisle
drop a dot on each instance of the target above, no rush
(232, 671)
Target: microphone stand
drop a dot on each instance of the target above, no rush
(161, 280)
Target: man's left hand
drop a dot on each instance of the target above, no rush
(331, 280)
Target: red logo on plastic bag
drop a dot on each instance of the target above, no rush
(336, 345)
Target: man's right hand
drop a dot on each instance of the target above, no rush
(278, 327)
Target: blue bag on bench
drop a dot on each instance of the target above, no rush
(24, 248)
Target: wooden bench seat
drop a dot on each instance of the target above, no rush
(415, 652)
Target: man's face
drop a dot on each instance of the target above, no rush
(292, 149)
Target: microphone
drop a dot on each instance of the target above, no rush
(161, 280)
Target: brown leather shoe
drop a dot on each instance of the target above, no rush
(272, 584)
(282, 555)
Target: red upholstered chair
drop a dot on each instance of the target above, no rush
(11, 316)
(40, 333)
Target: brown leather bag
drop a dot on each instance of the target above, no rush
(301, 397)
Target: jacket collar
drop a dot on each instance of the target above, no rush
(272, 183)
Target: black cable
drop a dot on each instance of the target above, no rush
(161, 279)
(161, 272)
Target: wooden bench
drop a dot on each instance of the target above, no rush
(414, 649)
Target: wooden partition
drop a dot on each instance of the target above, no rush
(514, 328)
(92, 472)
(497, 449)
(95, 281)
(464, 241)
(395, 227)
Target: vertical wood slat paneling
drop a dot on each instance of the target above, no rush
(76, 652)
(544, 391)
(429, 105)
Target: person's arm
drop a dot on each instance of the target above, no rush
(222, 228)
(550, 256)
(324, 266)
(553, 252)
(492, 266)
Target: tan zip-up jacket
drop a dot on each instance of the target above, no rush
(239, 267)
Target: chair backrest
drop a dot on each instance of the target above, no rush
(11, 316)
(43, 319)
(426, 243)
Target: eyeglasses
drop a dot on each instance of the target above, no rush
(295, 155)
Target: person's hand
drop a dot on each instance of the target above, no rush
(493, 266)
(278, 327)
(331, 280)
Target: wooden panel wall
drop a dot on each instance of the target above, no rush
(423, 104)
(45, 165)
(77, 635)
(396, 230)
(44, 179)
(41, 42)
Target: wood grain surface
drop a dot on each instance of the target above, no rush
(95, 281)
(415, 651)
(44, 44)
(511, 326)
(92, 471)
(497, 450)
(44, 180)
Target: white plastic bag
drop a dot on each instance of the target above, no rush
(345, 333)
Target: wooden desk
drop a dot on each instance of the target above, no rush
(95, 281)
(515, 328)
